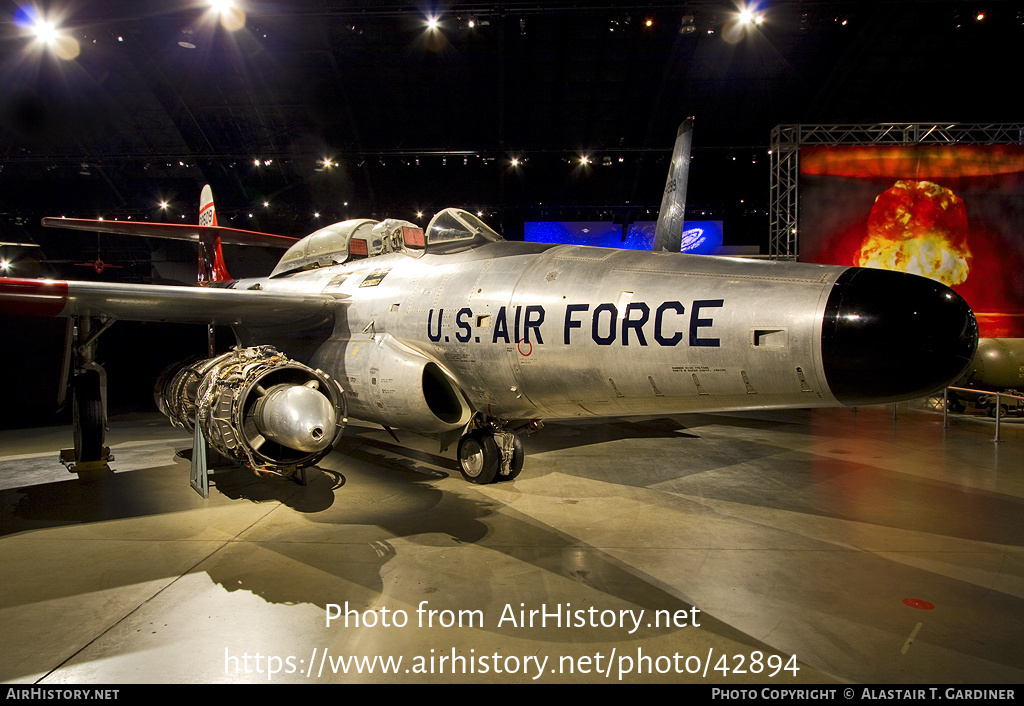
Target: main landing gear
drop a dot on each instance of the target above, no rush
(491, 451)
(86, 380)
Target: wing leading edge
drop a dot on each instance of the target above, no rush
(174, 231)
(151, 302)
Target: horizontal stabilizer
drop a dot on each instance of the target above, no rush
(152, 302)
(173, 231)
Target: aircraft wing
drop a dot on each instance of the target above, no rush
(174, 231)
(151, 302)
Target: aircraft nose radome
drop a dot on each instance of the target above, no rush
(889, 336)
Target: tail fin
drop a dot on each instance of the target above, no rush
(211, 257)
(669, 231)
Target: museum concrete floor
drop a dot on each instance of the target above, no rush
(827, 546)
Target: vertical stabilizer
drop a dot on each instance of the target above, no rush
(211, 257)
(668, 233)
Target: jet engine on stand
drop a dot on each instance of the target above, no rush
(256, 407)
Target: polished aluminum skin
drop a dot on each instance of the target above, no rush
(297, 416)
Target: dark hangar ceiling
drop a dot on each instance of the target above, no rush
(415, 120)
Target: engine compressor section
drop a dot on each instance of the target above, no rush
(256, 407)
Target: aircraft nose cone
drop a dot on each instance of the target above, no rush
(889, 336)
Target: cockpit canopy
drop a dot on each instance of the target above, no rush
(325, 247)
(450, 230)
(454, 229)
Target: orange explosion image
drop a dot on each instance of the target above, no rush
(918, 227)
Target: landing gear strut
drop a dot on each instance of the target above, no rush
(493, 452)
(87, 385)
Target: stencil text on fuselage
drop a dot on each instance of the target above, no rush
(669, 323)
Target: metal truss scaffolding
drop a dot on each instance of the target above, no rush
(787, 140)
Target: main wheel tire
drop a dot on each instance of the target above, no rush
(518, 459)
(88, 417)
(479, 457)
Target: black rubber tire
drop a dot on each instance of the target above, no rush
(479, 457)
(88, 419)
(1003, 410)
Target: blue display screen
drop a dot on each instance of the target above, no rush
(702, 237)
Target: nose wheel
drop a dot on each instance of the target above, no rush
(487, 456)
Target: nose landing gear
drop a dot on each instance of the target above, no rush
(493, 452)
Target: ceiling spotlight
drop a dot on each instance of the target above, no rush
(45, 31)
(687, 27)
(232, 17)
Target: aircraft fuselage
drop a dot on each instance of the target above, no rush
(524, 331)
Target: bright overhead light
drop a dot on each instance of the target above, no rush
(45, 31)
(232, 17)
(750, 15)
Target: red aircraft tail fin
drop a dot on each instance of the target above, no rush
(207, 233)
(211, 256)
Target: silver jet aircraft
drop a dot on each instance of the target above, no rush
(455, 332)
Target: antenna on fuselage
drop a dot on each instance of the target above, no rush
(668, 233)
